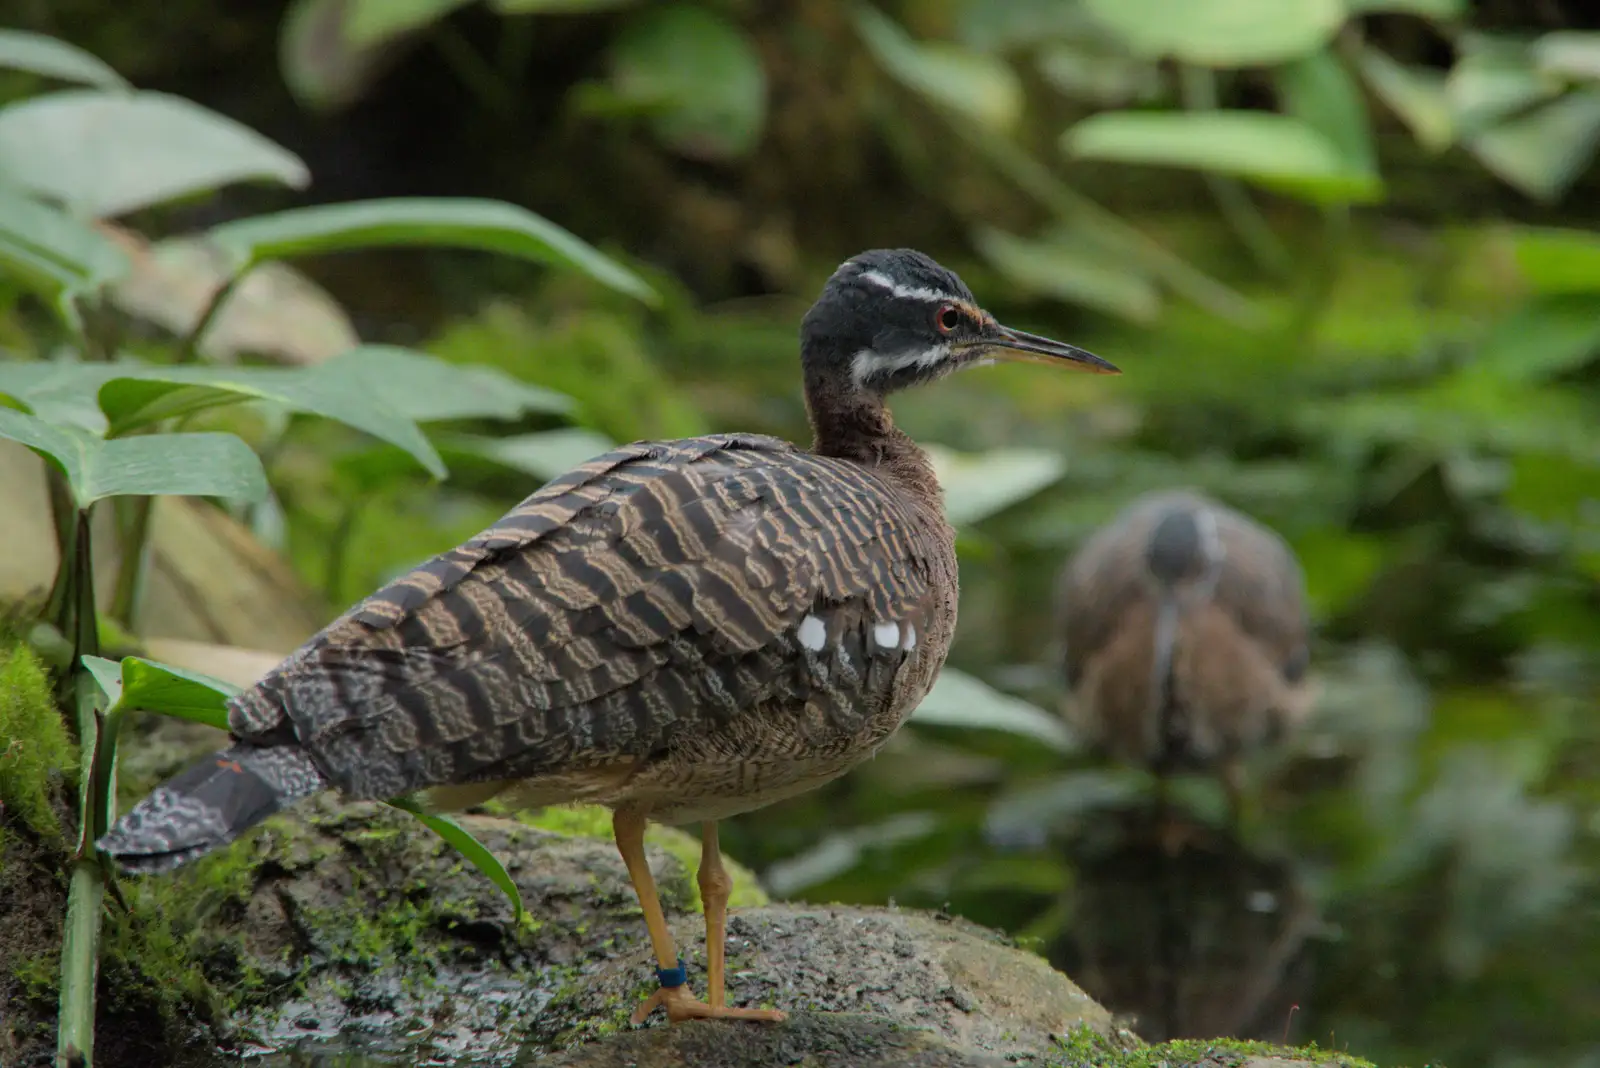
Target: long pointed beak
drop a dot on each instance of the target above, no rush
(1004, 343)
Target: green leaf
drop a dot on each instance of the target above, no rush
(355, 396)
(57, 391)
(1221, 33)
(29, 230)
(1072, 271)
(556, 7)
(210, 465)
(1570, 54)
(544, 456)
(1415, 94)
(1543, 152)
(321, 67)
(108, 153)
(1492, 80)
(370, 22)
(427, 389)
(436, 222)
(137, 683)
(977, 485)
(1548, 336)
(1442, 10)
(469, 847)
(959, 700)
(1555, 260)
(1270, 150)
(1318, 91)
(977, 86)
(39, 54)
(696, 75)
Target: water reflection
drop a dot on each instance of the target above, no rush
(1178, 926)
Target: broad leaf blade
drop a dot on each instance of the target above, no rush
(39, 54)
(1270, 150)
(469, 847)
(981, 87)
(1320, 92)
(87, 258)
(427, 389)
(959, 700)
(1221, 33)
(104, 154)
(482, 225)
(1542, 152)
(145, 395)
(1555, 260)
(1073, 271)
(190, 465)
(107, 675)
(977, 486)
(68, 446)
(172, 691)
(544, 455)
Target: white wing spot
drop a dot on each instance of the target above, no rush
(887, 635)
(908, 640)
(813, 634)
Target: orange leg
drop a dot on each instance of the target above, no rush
(627, 825)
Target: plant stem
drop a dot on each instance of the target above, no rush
(133, 535)
(80, 946)
(189, 349)
(64, 516)
(1198, 87)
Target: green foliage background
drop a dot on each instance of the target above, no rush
(1344, 251)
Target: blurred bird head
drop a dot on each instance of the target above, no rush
(892, 318)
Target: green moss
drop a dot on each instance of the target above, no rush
(1087, 1048)
(594, 821)
(38, 755)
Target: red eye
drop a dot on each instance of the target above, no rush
(948, 319)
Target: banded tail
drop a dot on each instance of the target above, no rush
(210, 804)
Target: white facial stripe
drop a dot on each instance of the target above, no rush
(869, 364)
(883, 281)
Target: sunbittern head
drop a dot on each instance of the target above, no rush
(892, 318)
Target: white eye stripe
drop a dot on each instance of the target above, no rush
(868, 364)
(883, 281)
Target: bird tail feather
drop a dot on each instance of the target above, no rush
(210, 804)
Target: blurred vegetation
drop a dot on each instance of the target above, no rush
(1345, 252)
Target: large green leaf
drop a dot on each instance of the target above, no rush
(1270, 150)
(1072, 271)
(959, 700)
(1319, 91)
(39, 54)
(1222, 33)
(695, 74)
(1442, 10)
(368, 22)
(978, 86)
(1544, 151)
(427, 389)
(977, 485)
(469, 847)
(30, 230)
(1555, 260)
(1415, 94)
(137, 683)
(1569, 53)
(57, 391)
(355, 396)
(544, 455)
(108, 153)
(1548, 336)
(1493, 80)
(208, 465)
(442, 222)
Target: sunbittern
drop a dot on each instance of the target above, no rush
(1186, 637)
(680, 630)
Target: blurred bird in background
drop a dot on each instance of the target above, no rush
(1186, 638)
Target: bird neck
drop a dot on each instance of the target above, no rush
(851, 424)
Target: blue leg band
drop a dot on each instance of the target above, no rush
(670, 977)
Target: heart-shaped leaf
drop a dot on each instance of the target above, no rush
(436, 222)
(103, 154)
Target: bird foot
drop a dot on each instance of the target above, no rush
(682, 1005)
